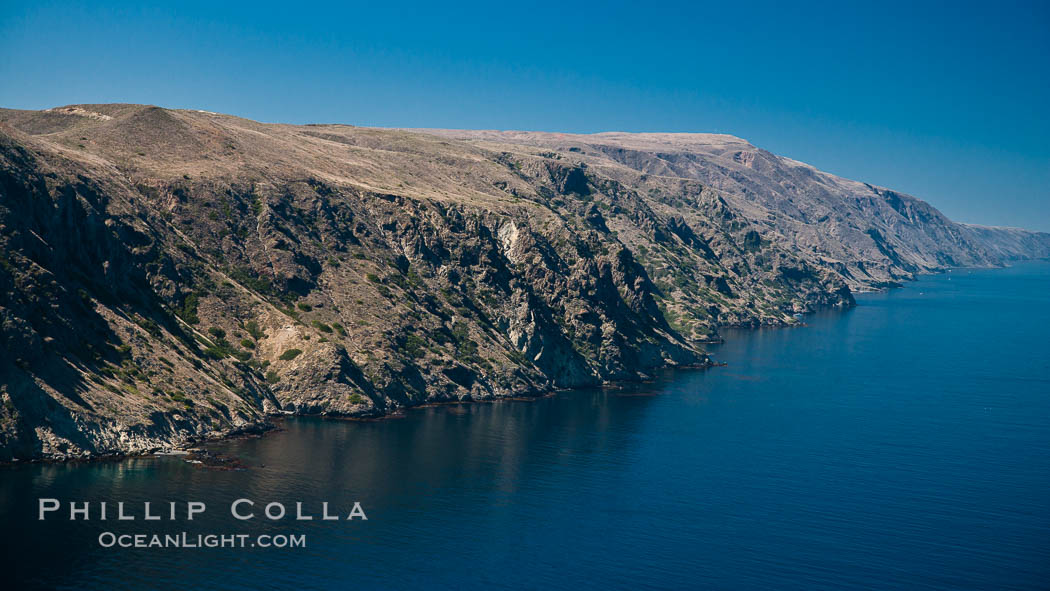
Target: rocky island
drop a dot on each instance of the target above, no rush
(168, 276)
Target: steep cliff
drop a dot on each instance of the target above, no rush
(168, 276)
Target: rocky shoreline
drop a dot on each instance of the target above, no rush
(272, 424)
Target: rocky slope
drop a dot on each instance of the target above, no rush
(871, 236)
(168, 276)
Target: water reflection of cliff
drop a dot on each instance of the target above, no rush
(469, 466)
(465, 448)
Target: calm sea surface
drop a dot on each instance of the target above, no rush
(904, 444)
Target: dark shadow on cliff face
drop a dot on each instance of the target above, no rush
(28, 408)
(67, 260)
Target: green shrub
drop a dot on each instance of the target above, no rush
(253, 329)
(339, 328)
(290, 354)
(149, 325)
(248, 343)
(272, 377)
(262, 285)
(356, 398)
(321, 326)
(217, 352)
(217, 332)
(188, 312)
(414, 346)
(304, 306)
(466, 348)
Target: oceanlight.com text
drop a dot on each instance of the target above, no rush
(187, 540)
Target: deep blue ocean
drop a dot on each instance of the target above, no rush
(903, 444)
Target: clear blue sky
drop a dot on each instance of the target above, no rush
(948, 101)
